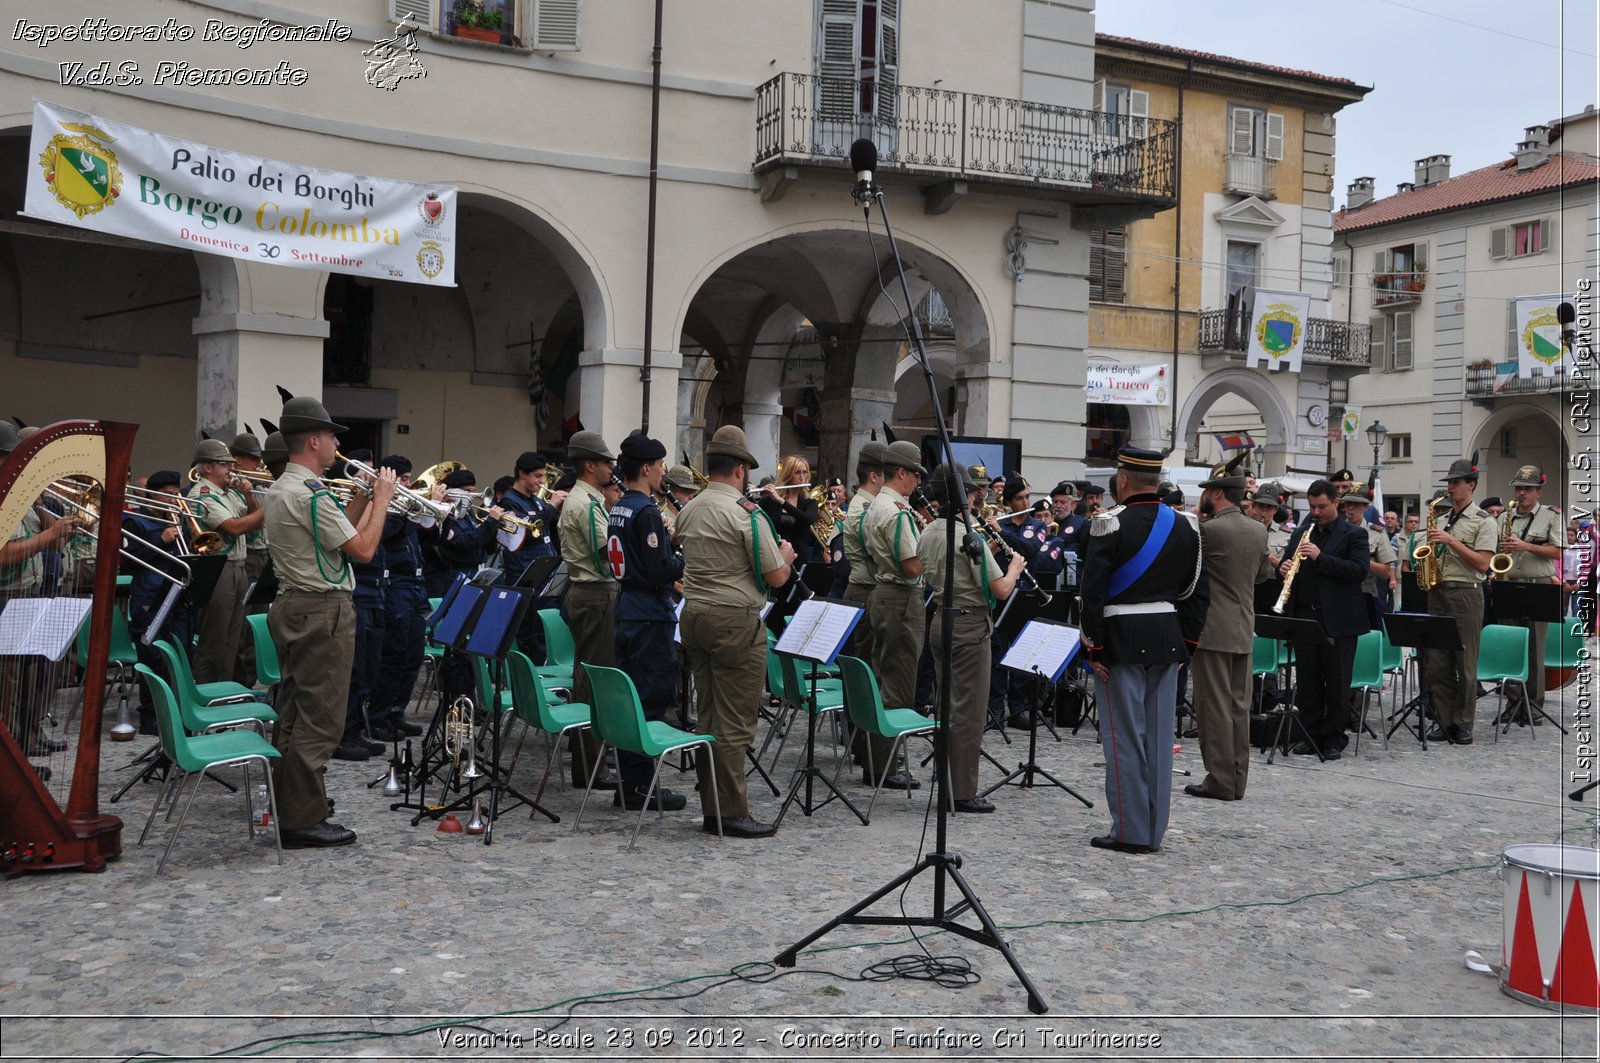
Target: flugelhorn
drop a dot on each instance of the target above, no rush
(458, 741)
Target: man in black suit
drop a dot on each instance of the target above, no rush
(1327, 588)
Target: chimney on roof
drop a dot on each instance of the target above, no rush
(1534, 148)
(1358, 193)
(1432, 170)
(1404, 186)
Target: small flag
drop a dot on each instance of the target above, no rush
(1234, 440)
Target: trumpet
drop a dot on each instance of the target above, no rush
(1500, 563)
(406, 502)
(479, 506)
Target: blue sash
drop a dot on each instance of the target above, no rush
(1129, 572)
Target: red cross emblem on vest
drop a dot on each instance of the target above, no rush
(614, 554)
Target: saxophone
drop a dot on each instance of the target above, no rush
(1425, 559)
(1500, 563)
(1294, 567)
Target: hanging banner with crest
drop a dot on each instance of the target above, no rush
(93, 173)
(1539, 338)
(1278, 330)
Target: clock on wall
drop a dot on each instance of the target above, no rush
(1317, 415)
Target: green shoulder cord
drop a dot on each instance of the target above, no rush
(861, 539)
(899, 569)
(595, 548)
(316, 541)
(755, 544)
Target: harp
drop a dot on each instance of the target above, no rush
(49, 749)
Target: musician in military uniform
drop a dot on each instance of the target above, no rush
(1534, 541)
(979, 583)
(367, 600)
(1144, 605)
(246, 451)
(591, 602)
(458, 544)
(732, 558)
(646, 567)
(521, 500)
(858, 578)
(1026, 535)
(223, 508)
(1465, 538)
(149, 590)
(313, 540)
(405, 618)
(1233, 548)
(1381, 578)
(895, 607)
(677, 488)
(1263, 509)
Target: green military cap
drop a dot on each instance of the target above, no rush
(589, 446)
(944, 475)
(1528, 476)
(246, 444)
(1227, 474)
(213, 450)
(305, 414)
(682, 477)
(8, 437)
(275, 451)
(872, 454)
(903, 454)
(1462, 469)
(729, 441)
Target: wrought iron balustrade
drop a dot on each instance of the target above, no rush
(1488, 379)
(1327, 342)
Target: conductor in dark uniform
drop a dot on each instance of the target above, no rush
(645, 566)
(1144, 604)
(1327, 589)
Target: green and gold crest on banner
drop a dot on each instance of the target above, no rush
(1278, 331)
(82, 172)
(1541, 337)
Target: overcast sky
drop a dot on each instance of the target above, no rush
(1439, 86)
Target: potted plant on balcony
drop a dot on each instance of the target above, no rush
(476, 23)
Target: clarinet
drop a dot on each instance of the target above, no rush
(1004, 554)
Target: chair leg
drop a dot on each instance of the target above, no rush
(549, 759)
(716, 798)
(600, 758)
(655, 776)
(249, 800)
(894, 752)
(1499, 714)
(272, 808)
(172, 839)
(1361, 724)
(166, 783)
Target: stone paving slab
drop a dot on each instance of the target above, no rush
(1326, 915)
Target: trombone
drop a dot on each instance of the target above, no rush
(405, 503)
(92, 517)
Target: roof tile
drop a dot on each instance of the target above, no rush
(1488, 185)
(1106, 38)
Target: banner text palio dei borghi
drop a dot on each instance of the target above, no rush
(94, 173)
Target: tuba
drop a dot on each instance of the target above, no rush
(1425, 559)
(1500, 563)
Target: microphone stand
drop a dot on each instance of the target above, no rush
(944, 865)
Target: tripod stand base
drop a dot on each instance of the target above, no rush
(942, 865)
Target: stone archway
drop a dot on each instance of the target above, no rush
(1255, 389)
(1537, 436)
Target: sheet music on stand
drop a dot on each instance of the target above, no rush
(41, 627)
(1043, 647)
(818, 629)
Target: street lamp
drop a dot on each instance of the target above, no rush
(1376, 434)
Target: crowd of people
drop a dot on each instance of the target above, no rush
(344, 552)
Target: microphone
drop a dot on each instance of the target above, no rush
(1565, 314)
(863, 160)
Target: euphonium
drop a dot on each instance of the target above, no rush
(1500, 563)
(1294, 567)
(1425, 559)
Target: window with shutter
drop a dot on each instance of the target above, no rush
(1242, 136)
(1402, 341)
(1106, 265)
(888, 61)
(1511, 330)
(421, 13)
(1138, 111)
(837, 53)
(1497, 242)
(1274, 136)
(1380, 261)
(555, 25)
(1528, 238)
(1419, 257)
(1378, 343)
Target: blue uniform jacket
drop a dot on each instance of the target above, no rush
(642, 559)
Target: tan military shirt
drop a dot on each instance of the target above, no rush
(1277, 541)
(971, 588)
(306, 526)
(855, 543)
(891, 538)
(1382, 552)
(724, 536)
(1541, 528)
(584, 531)
(27, 577)
(214, 505)
(1477, 531)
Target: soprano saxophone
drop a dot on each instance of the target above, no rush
(1294, 567)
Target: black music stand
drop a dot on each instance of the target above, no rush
(1520, 604)
(816, 632)
(1423, 631)
(460, 602)
(1306, 637)
(1042, 651)
(1413, 599)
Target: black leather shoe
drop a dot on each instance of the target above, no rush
(664, 799)
(384, 733)
(975, 804)
(352, 751)
(895, 780)
(1440, 734)
(148, 726)
(1461, 736)
(1194, 789)
(321, 836)
(1021, 721)
(1105, 841)
(1304, 749)
(743, 827)
(1332, 754)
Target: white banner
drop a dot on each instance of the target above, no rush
(92, 173)
(1278, 330)
(1124, 384)
(1539, 337)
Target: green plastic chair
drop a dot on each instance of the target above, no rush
(267, 672)
(201, 716)
(205, 693)
(559, 651)
(119, 669)
(1265, 660)
(1367, 676)
(540, 712)
(796, 686)
(1563, 647)
(619, 721)
(863, 704)
(792, 695)
(1503, 658)
(197, 755)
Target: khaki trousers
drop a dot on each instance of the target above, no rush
(1451, 676)
(220, 627)
(896, 614)
(727, 650)
(870, 751)
(244, 668)
(590, 610)
(1222, 715)
(316, 639)
(971, 657)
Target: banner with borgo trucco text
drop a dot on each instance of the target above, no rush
(93, 173)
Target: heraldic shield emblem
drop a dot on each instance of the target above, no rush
(82, 172)
(1542, 336)
(1278, 331)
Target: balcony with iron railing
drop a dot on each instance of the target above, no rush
(1398, 289)
(1492, 380)
(939, 136)
(1327, 342)
(1251, 175)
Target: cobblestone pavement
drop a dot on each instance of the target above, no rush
(1325, 915)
